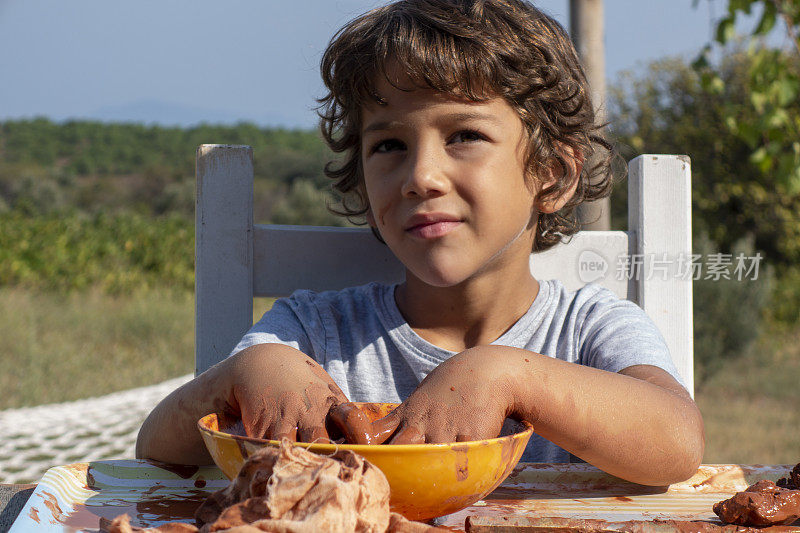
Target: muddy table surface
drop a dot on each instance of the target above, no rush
(75, 497)
(539, 496)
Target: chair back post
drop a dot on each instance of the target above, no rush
(223, 251)
(660, 244)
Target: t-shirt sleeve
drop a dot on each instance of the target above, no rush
(293, 321)
(616, 334)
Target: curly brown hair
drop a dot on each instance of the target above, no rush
(475, 49)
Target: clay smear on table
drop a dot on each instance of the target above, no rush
(481, 524)
(151, 507)
(292, 489)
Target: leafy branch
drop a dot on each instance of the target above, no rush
(773, 80)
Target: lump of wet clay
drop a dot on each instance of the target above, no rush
(290, 489)
(761, 504)
(357, 426)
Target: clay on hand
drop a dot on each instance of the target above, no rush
(463, 399)
(279, 392)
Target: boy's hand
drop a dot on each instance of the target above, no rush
(281, 392)
(462, 399)
(276, 390)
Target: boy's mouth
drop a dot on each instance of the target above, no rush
(431, 225)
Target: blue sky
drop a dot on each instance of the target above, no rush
(187, 61)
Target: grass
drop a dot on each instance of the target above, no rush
(64, 347)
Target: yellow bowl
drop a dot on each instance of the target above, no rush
(426, 480)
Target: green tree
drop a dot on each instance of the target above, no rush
(668, 109)
(770, 127)
(737, 206)
(148, 169)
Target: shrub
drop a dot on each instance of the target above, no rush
(118, 252)
(305, 205)
(728, 313)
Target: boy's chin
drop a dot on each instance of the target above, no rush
(439, 279)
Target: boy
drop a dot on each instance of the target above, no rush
(464, 126)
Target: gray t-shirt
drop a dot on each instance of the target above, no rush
(360, 338)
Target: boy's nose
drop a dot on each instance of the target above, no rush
(425, 175)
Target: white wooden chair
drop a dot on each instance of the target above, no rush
(236, 260)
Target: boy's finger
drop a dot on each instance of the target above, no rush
(437, 436)
(312, 434)
(465, 437)
(285, 427)
(383, 428)
(408, 435)
(257, 423)
(256, 427)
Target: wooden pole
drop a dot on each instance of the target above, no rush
(586, 28)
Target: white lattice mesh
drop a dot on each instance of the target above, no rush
(36, 438)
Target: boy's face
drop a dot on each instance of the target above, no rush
(446, 184)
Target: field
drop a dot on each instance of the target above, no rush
(65, 347)
(752, 406)
(90, 343)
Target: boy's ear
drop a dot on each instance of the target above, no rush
(555, 173)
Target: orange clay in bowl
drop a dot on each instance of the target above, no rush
(426, 480)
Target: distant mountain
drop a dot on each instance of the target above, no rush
(174, 114)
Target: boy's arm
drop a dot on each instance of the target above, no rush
(170, 434)
(276, 390)
(639, 424)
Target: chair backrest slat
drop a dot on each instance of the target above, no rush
(319, 258)
(587, 257)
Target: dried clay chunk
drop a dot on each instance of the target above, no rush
(761, 504)
(792, 481)
(290, 489)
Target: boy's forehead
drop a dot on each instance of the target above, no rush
(405, 91)
(391, 76)
(420, 106)
(403, 94)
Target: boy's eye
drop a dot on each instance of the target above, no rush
(387, 145)
(466, 136)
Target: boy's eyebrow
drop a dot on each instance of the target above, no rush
(381, 126)
(454, 117)
(487, 117)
